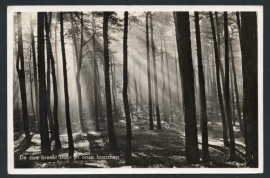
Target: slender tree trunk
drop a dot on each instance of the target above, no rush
(111, 134)
(68, 123)
(128, 157)
(227, 90)
(48, 93)
(31, 84)
(149, 76)
(112, 90)
(35, 75)
(44, 134)
(232, 97)
(205, 151)
(55, 92)
(219, 53)
(95, 75)
(250, 85)
(224, 124)
(78, 79)
(168, 77)
(155, 73)
(186, 68)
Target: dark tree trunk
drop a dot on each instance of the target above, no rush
(68, 123)
(31, 84)
(155, 73)
(111, 134)
(205, 151)
(186, 68)
(21, 74)
(236, 87)
(35, 75)
(250, 85)
(48, 96)
(44, 134)
(219, 53)
(149, 76)
(112, 90)
(78, 79)
(95, 76)
(128, 157)
(232, 98)
(55, 92)
(224, 124)
(227, 90)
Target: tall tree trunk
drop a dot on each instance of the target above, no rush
(111, 134)
(250, 85)
(155, 73)
(31, 84)
(205, 151)
(21, 74)
(219, 53)
(220, 97)
(232, 97)
(95, 75)
(68, 123)
(112, 90)
(44, 134)
(48, 93)
(149, 76)
(168, 78)
(55, 92)
(128, 157)
(236, 87)
(227, 90)
(186, 68)
(35, 74)
(78, 79)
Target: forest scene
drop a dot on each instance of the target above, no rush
(153, 89)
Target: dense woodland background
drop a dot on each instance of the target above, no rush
(158, 89)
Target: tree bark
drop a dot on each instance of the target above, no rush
(44, 134)
(68, 123)
(95, 75)
(128, 157)
(48, 93)
(21, 74)
(250, 85)
(35, 74)
(111, 134)
(155, 73)
(205, 151)
(186, 68)
(227, 90)
(55, 92)
(149, 76)
(220, 97)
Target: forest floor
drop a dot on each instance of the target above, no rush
(163, 148)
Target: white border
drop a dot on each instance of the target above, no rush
(12, 170)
